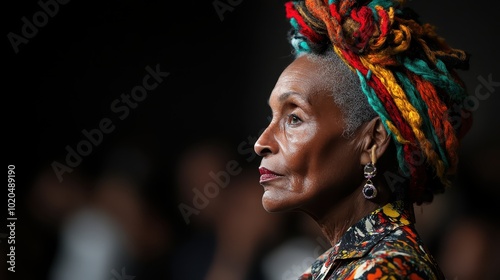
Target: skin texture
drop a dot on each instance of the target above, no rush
(320, 172)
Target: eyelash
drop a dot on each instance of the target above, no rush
(291, 117)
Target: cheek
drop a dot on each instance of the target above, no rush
(345, 174)
(299, 149)
(317, 165)
(290, 191)
(332, 167)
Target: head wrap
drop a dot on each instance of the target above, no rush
(407, 73)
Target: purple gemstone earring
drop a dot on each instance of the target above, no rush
(369, 190)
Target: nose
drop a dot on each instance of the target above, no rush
(265, 144)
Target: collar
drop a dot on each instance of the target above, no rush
(360, 238)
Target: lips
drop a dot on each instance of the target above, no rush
(267, 175)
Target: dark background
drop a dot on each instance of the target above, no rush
(221, 73)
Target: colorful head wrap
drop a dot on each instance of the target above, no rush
(406, 72)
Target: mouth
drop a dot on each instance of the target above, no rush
(267, 175)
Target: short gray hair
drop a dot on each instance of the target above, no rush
(346, 90)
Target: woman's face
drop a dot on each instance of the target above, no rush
(306, 162)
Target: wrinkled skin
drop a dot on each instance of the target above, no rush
(315, 165)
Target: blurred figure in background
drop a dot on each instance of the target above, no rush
(91, 244)
(228, 231)
(469, 250)
(50, 206)
(134, 194)
(301, 245)
(245, 231)
(111, 228)
(192, 172)
(469, 245)
(462, 227)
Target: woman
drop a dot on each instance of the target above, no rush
(366, 123)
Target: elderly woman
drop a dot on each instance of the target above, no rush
(366, 122)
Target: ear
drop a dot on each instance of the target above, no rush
(373, 133)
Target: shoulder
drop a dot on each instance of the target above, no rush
(396, 266)
(400, 255)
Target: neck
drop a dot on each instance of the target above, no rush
(339, 217)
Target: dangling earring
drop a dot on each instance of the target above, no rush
(369, 190)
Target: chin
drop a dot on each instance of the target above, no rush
(275, 203)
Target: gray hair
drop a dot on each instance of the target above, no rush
(345, 89)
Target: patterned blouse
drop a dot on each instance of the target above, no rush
(382, 245)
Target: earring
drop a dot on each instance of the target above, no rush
(369, 190)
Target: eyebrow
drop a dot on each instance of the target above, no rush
(287, 94)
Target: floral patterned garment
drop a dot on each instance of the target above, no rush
(382, 245)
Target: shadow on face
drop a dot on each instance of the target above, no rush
(307, 162)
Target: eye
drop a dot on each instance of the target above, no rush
(293, 119)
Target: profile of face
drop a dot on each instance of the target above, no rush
(307, 162)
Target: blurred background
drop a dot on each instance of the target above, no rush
(131, 125)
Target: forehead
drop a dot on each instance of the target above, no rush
(304, 76)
